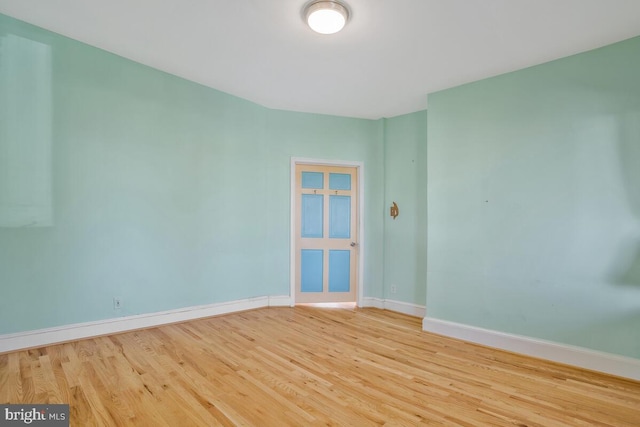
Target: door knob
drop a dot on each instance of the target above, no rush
(354, 244)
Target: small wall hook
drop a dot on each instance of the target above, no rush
(394, 210)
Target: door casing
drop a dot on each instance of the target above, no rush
(360, 224)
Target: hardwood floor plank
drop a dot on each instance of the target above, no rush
(5, 373)
(309, 366)
(95, 397)
(25, 388)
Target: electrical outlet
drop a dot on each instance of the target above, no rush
(394, 289)
(117, 303)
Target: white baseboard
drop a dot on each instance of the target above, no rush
(42, 337)
(281, 301)
(571, 355)
(372, 302)
(576, 356)
(398, 306)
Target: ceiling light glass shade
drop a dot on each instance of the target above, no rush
(326, 17)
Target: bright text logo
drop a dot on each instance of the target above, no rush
(36, 415)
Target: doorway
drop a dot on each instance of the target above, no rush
(326, 232)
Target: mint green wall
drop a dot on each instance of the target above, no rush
(328, 138)
(534, 201)
(165, 193)
(405, 240)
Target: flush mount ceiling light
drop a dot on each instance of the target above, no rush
(326, 17)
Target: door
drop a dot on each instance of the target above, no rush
(326, 233)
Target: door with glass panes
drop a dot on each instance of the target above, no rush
(326, 233)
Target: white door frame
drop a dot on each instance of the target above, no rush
(292, 233)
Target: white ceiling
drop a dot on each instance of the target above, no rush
(384, 63)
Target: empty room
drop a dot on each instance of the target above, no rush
(304, 212)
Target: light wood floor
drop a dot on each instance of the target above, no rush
(306, 367)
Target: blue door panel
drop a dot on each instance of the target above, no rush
(339, 270)
(339, 181)
(311, 269)
(340, 217)
(312, 180)
(312, 215)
